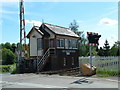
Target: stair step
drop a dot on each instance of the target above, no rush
(45, 58)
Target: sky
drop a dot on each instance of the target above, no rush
(98, 17)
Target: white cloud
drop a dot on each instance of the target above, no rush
(8, 12)
(33, 22)
(107, 22)
(79, 21)
(101, 43)
(111, 43)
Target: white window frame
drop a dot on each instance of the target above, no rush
(66, 43)
(61, 41)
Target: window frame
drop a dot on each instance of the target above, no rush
(39, 46)
(60, 43)
(66, 43)
(74, 44)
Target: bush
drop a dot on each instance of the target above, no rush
(8, 57)
(14, 71)
(8, 68)
(4, 68)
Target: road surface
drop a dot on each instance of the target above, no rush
(55, 81)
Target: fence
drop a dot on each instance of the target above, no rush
(109, 63)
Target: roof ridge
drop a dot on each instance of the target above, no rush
(56, 25)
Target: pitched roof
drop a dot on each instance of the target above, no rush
(61, 30)
(35, 28)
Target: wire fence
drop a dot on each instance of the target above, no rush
(110, 63)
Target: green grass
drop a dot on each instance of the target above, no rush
(107, 72)
(7, 68)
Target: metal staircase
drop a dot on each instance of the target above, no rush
(41, 63)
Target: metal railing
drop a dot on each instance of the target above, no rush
(44, 58)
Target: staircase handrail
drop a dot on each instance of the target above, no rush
(43, 56)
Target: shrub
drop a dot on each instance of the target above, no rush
(8, 57)
(5, 68)
(8, 68)
(14, 71)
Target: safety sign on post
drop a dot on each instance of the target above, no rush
(93, 39)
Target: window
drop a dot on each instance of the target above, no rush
(60, 43)
(64, 63)
(74, 44)
(70, 44)
(66, 43)
(39, 43)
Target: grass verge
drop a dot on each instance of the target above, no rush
(107, 73)
(8, 68)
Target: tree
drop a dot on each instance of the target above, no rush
(74, 26)
(81, 41)
(7, 45)
(84, 49)
(94, 52)
(7, 57)
(115, 49)
(13, 47)
(106, 48)
(2, 45)
(101, 52)
(118, 52)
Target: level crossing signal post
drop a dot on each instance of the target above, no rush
(93, 39)
(22, 53)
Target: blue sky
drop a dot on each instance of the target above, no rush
(99, 17)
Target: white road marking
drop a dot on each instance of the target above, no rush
(105, 79)
(31, 84)
(113, 80)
